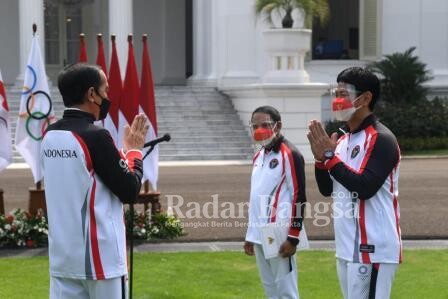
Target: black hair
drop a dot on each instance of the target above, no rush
(75, 80)
(363, 80)
(275, 115)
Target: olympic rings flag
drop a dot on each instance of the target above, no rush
(5, 133)
(36, 111)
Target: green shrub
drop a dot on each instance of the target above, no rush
(153, 227)
(422, 143)
(402, 76)
(419, 126)
(420, 120)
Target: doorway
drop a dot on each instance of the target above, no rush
(63, 23)
(339, 38)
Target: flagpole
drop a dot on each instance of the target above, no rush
(37, 195)
(131, 242)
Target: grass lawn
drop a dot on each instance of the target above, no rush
(424, 274)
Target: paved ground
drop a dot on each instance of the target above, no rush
(423, 199)
(223, 246)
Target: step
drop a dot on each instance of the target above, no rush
(203, 124)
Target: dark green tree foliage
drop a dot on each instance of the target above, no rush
(402, 76)
(418, 122)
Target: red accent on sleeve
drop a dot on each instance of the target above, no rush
(131, 156)
(320, 165)
(329, 164)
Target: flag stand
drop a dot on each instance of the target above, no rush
(2, 203)
(37, 199)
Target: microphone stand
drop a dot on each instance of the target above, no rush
(151, 148)
(131, 237)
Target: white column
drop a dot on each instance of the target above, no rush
(30, 12)
(237, 38)
(204, 60)
(121, 24)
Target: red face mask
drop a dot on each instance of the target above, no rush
(261, 134)
(343, 108)
(339, 104)
(264, 136)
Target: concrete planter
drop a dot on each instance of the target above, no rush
(287, 49)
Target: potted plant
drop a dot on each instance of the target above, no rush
(309, 8)
(287, 46)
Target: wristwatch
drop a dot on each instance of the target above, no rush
(329, 154)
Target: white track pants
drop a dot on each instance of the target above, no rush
(67, 288)
(278, 275)
(365, 281)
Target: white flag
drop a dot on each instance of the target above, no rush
(35, 110)
(5, 133)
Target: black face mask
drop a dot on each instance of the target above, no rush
(104, 108)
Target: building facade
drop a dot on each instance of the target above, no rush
(219, 42)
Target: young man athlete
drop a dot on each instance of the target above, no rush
(360, 171)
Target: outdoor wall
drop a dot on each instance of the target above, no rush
(9, 40)
(164, 22)
(237, 42)
(95, 20)
(422, 24)
(298, 104)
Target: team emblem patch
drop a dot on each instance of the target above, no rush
(273, 163)
(355, 151)
(363, 270)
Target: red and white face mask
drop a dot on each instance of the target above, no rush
(263, 133)
(344, 96)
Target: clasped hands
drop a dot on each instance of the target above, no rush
(319, 140)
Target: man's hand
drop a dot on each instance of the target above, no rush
(287, 249)
(134, 136)
(319, 140)
(249, 248)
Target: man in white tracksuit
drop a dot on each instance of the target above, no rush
(360, 171)
(87, 180)
(277, 197)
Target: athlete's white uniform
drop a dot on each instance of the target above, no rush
(362, 178)
(277, 196)
(86, 181)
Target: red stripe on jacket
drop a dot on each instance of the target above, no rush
(94, 237)
(293, 231)
(362, 224)
(370, 131)
(397, 219)
(277, 194)
(93, 230)
(85, 150)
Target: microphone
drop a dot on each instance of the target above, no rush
(154, 142)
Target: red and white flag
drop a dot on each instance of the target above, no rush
(115, 95)
(101, 62)
(148, 107)
(82, 49)
(100, 58)
(129, 102)
(36, 111)
(5, 132)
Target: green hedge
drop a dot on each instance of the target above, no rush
(426, 119)
(421, 126)
(422, 144)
